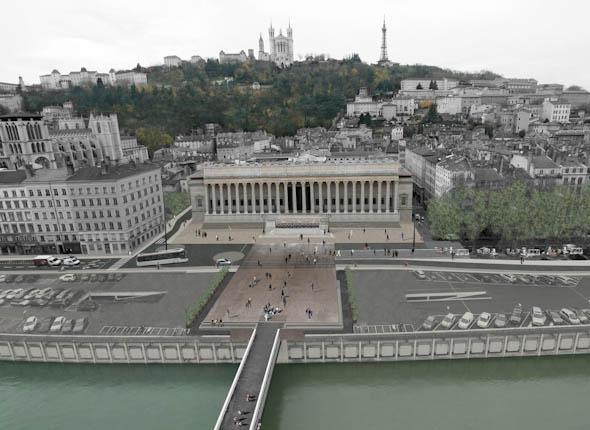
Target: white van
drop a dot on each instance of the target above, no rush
(461, 252)
(533, 252)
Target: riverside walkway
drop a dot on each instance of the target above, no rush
(253, 378)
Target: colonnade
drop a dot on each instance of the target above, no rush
(303, 197)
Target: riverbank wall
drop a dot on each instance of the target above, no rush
(129, 349)
(437, 345)
(296, 347)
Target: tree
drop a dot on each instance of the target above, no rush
(522, 134)
(432, 116)
(489, 129)
(574, 88)
(153, 138)
(419, 86)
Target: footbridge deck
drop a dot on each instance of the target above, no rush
(252, 379)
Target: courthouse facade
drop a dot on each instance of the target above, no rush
(362, 192)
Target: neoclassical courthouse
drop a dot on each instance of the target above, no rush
(295, 192)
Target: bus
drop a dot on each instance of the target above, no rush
(163, 256)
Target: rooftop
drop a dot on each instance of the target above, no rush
(111, 173)
(543, 162)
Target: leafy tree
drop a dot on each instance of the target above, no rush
(574, 88)
(153, 138)
(419, 86)
(522, 134)
(432, 116)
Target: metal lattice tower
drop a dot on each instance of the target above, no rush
(383, 43)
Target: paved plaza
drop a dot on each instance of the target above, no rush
(305, 280)
(192, 233)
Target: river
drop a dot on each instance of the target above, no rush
(543, 393)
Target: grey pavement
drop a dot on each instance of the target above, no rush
(381, 296)
(251, 377)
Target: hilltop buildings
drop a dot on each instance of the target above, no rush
(55, 80)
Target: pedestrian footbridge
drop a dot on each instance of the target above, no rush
(245, 400)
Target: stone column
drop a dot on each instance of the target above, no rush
(207, 199)
(230, 208)
(321, 193)
(221, 199)
(353, 206)
(237, 187)
(214, 198)
(388, 199)
(345, 196)
(294, 196)
(277, 200)
(312, 196)
(304, 197)
(362, 197)
(329, 185)
(337, 208)
(253, 196)
(371, 196)
(395, 195)
(379, 208)
(269, 198)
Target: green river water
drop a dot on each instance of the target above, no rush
(545, 393)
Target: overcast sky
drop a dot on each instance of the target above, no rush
(547, 40)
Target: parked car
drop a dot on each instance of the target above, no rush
(42, 292)
(585, 312)
(538, 316)
(566, 280)
(68, 326)
(39, 302)
(71, 261)
(516, 316)
(484, 320)
(30, 324)
(500, 321)
(2, 278)
(507, 277)
(19, 279)
(429, 323)
(62, 294)
(223, 262)
(111, 277)
(448, 321)
(21, 303)
(57, 324)
(525, 279)
(570, 316)
(13, 294)
(68, 277)
(31, 294)
(420, 274)
(80, 325)
(118, 277)
(93, 277)
(465, 321)
(556, 318)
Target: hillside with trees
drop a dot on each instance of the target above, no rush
(177, 100)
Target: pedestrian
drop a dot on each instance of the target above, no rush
(387, 237)
(270, 250)
(158, 266)
(364, 230)
(312, 286)
(402, 235)
(270, 287)
(521, 259)
(285, 283)
(282, 292)
(284, 300)
(217, 237)
(227, 311)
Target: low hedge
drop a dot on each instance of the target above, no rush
(351, 295)
(193, 312)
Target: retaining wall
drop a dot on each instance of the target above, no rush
(515, 342)
(106, 349)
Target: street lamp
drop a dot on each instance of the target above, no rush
(414, 235)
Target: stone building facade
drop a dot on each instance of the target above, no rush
(92, 211)
(341, 192)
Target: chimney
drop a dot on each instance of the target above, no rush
(70, 168)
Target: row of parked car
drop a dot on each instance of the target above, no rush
(94, 277)
(484, 320)
(55, 325)
(504, 278)
(38, 297)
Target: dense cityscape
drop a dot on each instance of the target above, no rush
(267, 211)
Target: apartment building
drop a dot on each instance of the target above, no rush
(108, 210)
